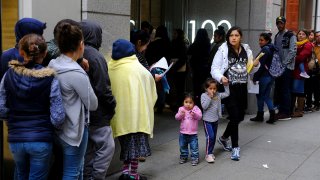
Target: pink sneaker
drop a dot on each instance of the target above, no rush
(210, 158)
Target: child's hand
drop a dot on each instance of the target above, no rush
(183, 112)
(210, 93)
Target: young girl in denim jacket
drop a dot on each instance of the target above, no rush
(211, 105)
(189, 115)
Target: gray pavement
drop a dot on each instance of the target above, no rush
(286, 150)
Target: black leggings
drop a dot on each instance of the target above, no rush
(236, 104)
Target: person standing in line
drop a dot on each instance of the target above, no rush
(304, 52)
(229, 67)
(23, 27)
(219, 38)
(178, 72)
(285, 42)
(199, 61)
(313, 84)
(158, 49)
(265, 79)
(311, 36)
(31, 100)
(141, 39)
(101, 145)
(53, 49)
(134, 89)
(212, 111)
(189, 116)
(78, 98)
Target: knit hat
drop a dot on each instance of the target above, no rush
(27, 26)
(122, 48)
(281, 19)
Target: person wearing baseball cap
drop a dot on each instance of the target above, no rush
(285, 42)
(281, 19)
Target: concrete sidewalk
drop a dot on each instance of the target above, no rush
(286, 150)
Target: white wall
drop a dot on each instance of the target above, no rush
(50, 12)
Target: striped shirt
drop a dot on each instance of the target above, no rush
(212, 106)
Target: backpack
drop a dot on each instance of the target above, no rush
(276, 68)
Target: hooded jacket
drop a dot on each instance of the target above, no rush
(98, 74)
(23, 27)
(33, 101)
(78, 98)
(134, 89)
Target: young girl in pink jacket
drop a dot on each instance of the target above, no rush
(189, 115)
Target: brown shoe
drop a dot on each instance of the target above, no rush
(297, 114)
(142, 159)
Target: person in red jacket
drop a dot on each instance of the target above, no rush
(304, 52)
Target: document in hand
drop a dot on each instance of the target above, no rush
(162, 63)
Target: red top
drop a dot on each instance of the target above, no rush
(304, 52)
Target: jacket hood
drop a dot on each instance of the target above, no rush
(32, 79)
(92, 33)
(65, 64)
(27, 26)
(122, 48)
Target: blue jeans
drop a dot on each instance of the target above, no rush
(265, 84)
(73, 158)
(301, 67)
(31, 158)
(184, 141)
(210, 129)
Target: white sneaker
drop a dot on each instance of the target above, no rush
(210, 158)
(304, 75)
(235, 155)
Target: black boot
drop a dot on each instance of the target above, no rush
(259, 117)
(272, 117)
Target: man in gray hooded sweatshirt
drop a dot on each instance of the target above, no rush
(101, 146)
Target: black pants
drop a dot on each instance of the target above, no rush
(236, 105)
(312, 86)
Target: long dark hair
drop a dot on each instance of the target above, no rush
(202, 36)
(69, 37)
(267, 37)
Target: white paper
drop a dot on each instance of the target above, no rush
(165, 72)
(265, 166)
(253, 88)
(162, 63)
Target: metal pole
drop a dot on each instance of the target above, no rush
(315, 16)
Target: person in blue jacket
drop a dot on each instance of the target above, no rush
(31, 101)
(23, 27)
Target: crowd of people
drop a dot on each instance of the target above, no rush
(64, 103)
